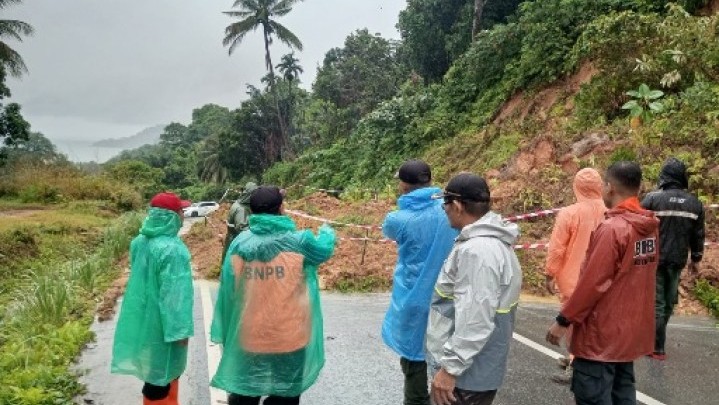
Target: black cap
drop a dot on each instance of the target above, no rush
(266, 200)
(415, 172)
(466, 187)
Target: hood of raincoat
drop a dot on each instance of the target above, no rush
(265, 224)
(588, 185)
(673, 175)
(273, 233)
(645, 223)
(161, 222)
(491, 225)
(418, 199)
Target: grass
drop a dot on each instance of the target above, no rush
(708, 295)
(48, 297)
(366, 284)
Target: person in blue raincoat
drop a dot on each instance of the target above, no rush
(424, 238)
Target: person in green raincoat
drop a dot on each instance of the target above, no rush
(268, 316)
(156, 316)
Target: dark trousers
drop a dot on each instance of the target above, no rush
(598, 383)
(155, 392)
(415, 382)
(668, 277)
(235, 399)
(474, 398)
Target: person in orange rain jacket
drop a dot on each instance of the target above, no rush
(569, 242)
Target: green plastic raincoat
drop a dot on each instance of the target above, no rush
(157, 308)
(268, 316)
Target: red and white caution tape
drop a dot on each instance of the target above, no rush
(532, 246)
(329, 221)
(526, 246)
(389, 241)
(532, 215)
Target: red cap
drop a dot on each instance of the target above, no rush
(169, 201)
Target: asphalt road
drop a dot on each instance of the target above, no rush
(360, 370)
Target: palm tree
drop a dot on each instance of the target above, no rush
(290, 68)
(9, 58)
(254, 14)
(209, 166)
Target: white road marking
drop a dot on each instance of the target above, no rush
(213, 351)
(641, 397)
(694, 328)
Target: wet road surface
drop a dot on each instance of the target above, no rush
(361, 370)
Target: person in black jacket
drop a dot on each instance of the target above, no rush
(681, 229)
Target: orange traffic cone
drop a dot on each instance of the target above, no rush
(171, 399)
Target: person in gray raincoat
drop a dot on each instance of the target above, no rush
(472, 313)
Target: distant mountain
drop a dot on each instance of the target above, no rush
(146, 136)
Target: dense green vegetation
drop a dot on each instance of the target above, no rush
(48, 293)
(471, 85)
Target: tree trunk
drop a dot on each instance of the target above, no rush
(284, 144)
(478, 11)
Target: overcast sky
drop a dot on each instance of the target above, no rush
(107, 69)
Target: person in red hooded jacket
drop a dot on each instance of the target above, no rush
(612, 308)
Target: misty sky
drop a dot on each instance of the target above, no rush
(107, 69)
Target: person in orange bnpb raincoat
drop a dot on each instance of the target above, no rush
(569, 242)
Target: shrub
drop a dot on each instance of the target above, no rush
(623, 154)
(40, 192)
(708, 295)
(16, 244)
(126, 199)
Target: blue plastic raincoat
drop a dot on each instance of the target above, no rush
(424, 238)
(157, 308)
(268, 316)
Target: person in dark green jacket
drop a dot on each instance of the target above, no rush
(238, 217)
(156, 316)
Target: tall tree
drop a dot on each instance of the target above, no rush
(9, 58)
(254, 14)
(360, 75)
(477, 21)
(13, 127)
(290, 68)
(436, 32)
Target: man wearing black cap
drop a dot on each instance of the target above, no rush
(268, 316)
(424, 239)
(471, 319)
